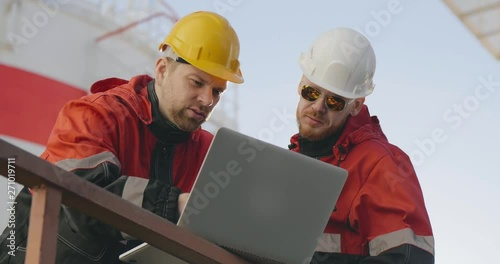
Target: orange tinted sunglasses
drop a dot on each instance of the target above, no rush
(333, 102)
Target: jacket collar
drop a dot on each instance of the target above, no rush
(131, 93)
(317, 149)
(357, 129)
(161, 127)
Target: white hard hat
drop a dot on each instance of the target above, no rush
(341, 61)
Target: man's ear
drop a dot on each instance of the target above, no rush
(358, 104)
(161, 70)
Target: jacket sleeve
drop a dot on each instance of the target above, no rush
(389, 211)
(84, 141)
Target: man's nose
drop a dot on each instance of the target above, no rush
(320, 105)
(206, 97)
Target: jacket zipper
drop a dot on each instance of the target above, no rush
(163, 159)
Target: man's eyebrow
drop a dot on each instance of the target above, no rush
(204, 82)
(198, 78)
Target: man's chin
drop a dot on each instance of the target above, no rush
(311, 134)
(191, 126)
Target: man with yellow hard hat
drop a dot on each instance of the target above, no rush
(139, 138)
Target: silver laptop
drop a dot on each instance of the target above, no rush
(262, 202)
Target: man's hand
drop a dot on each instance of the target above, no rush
(181, 202)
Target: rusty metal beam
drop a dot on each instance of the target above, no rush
(42, 239)
(32, 171)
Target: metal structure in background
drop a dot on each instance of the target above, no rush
(482, 18)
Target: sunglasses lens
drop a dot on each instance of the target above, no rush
(310, 93)
(335, 103)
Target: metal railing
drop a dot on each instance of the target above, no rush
(52, 186)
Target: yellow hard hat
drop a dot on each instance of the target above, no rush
(207, 41)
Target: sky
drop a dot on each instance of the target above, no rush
(436, 96)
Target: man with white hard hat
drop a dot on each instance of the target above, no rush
(380, 216)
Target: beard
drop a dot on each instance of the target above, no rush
(185, 122)
(314, 133)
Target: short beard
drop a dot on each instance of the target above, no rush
(310, 135)
(313, 136)
(185, 123)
